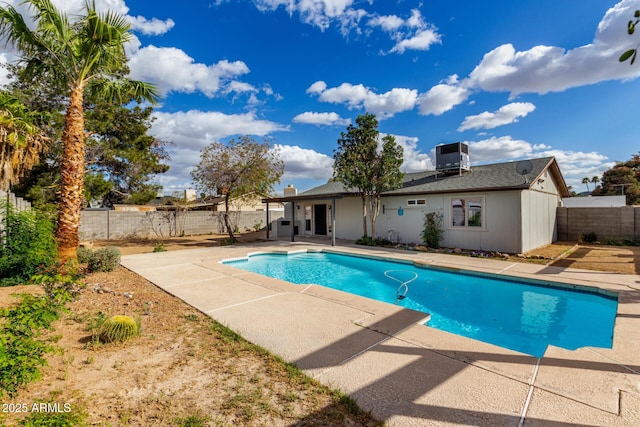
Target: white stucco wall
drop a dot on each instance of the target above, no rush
(539, 225)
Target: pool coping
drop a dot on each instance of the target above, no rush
(588, 386)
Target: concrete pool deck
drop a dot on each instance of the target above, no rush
(405, 373)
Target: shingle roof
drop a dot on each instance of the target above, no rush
(497, 176)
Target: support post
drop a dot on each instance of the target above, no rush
(268, 223)
(293, 221)
(333, 221)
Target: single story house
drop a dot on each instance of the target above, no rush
(501, 207)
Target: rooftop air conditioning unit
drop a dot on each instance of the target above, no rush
(452, 157)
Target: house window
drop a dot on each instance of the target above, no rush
(416, 202)
(467, 212)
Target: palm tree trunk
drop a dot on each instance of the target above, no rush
(72, 181)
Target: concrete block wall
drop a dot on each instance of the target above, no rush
(617, 223)
(110, 224)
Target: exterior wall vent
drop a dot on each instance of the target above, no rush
(452, 158)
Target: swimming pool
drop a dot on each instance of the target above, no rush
(522, 316)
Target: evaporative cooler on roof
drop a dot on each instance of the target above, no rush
(452, 158)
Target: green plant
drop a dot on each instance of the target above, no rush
(53, 414)
(21, 354)
(61, 282)
(104, 260)
(433, 230)
(159, 247)
(590, 237)
(257, 225)
(84, 255)
(27, 244)
(119, 328)
(228, 241)
(192, 421)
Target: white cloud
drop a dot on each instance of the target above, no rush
(543, 69)
(171, 69)
(195, 129)
(443, 97)
(422, 40)
(321, 119)
(154, 27)
(319, 13)
(506, 114)
(304, 163)
(191, 131)
(388, 23)
(383, 105)
(414, 159)
(496, 149)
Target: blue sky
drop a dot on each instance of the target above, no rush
(512, 79)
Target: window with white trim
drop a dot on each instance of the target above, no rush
(416, 202)
(467, 212)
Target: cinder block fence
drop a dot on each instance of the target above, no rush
(618, 223)
(110, 224)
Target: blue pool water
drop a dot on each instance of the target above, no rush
(517, 315)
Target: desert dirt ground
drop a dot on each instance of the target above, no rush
(184, 367)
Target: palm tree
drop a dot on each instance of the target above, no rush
(21, 140)
(83, 56)
(586, 181)
(595, 181)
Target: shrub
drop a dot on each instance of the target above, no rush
(119, 328)
(433, 231)
(159, 247)
(589, 237)
(62, 282)
(104, 260)
(27, 245)
(365, 240)
(84, 255)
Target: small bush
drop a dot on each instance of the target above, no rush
(118, 329)
(589, 237)
(365, 241)
(227, 241)
(27, 245)
(104, 260)
(84, 255)
(433, 230)
(159, 247)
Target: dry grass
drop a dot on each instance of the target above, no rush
(183, 369)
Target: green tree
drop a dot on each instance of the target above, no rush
(622, 179)
(121, 156)
(586, 182)
(352, 160)
(385, 175)
(631, 27)
(84, 55)
(595, 180)
(243, 167)
(363, 166)
(21, 140)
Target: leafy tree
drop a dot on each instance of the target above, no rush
(241, 168)
(595, 180)
(385, 175)
(121, 157)
(586, 182)
(622, 179)
(361, 166)
(631, 27)
(85, 56)
(21, 140)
